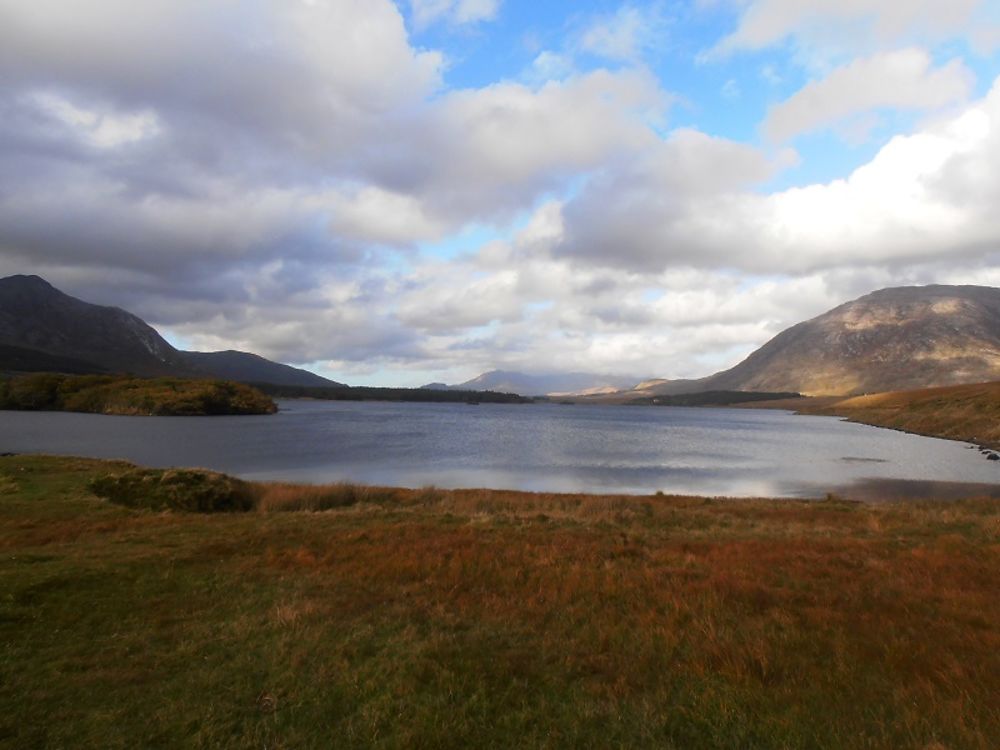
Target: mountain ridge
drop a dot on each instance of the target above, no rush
(892, 339)
(43, 328)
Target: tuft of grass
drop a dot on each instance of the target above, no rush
(191, 490)
(270, 497)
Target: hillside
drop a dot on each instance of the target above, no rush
(252, 368)
(44, 329)
(964, 412)
(893, 339)
(36, 316)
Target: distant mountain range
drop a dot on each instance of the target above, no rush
(43, 329)
(550, 384)
(890, 340)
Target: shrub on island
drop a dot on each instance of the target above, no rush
(125, 395)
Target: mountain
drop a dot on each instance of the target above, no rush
(42, 328)
(891, 340)
(550, 384)
(252, 368)
(36, 316)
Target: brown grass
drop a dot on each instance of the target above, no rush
(962, 412)
(970, 413)
(471, 618)
(272, 497)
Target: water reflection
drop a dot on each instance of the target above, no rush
(730, 452)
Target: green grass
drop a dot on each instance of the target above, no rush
(433, 618)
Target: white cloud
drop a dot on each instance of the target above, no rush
(625, 35)
(903, 79)
(550, 66)
(459, 12)
(353, 135)
(282, 71)
(824, 27)
(383, 217)
(495, 149)
(926, 197)
(100, 128)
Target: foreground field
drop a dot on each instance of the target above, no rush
(492, 619)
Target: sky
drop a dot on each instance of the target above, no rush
(392, 193)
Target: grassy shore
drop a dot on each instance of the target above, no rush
(431, 618)
(961, 412)
(970, 413)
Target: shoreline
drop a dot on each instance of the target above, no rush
(965, 413)
(870, 491)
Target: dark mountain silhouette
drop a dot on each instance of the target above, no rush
(35, 315)
(43, 329)
(252, 368)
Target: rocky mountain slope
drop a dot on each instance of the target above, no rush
(893, 339)
(34, 315)
(42, 328)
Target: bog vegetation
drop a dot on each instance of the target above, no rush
(433, 618)
(958, 412)
(118, 394)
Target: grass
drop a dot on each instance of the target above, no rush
(432, 618)
(970, 413)
(962, 412)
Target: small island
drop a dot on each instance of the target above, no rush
(131, 396)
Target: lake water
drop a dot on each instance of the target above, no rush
(733, 452)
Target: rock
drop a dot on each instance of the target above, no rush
(992, 457)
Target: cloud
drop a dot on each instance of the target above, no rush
(103, 129)
(458, 12)
(495, 149)
(268, 74)
(903, 79)
(277, 142)
(825, 27)
(371, 214)
(662, 207)
(626, 35)
(925, 197)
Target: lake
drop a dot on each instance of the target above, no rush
(543, 447)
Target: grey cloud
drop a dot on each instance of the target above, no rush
(638, 214)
